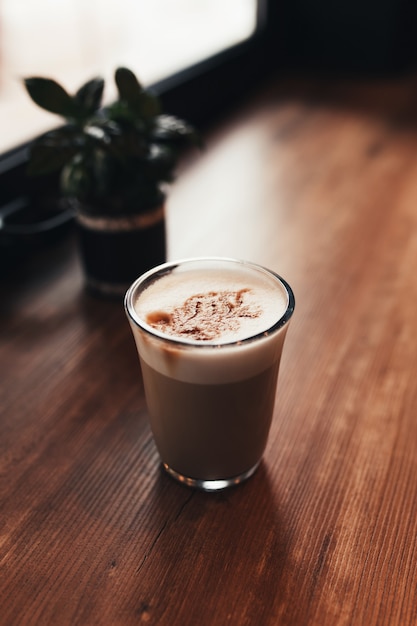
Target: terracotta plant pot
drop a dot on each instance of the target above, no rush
(116, 250)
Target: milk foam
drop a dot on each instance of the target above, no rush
(222, 359)
(242, 305)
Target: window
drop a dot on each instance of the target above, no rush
(75, 40)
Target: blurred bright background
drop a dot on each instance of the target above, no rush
(75, 40)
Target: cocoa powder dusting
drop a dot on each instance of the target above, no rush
(205, 316)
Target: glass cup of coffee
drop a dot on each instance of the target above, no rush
(209, 334)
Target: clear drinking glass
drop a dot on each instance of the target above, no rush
(210, 389)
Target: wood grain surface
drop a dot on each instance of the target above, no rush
(317, 180)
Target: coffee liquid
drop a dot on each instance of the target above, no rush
(210, 432)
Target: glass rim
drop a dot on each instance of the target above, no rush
(165, 268)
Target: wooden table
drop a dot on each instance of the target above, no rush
(317, 180)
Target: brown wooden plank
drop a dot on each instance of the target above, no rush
(317, 180)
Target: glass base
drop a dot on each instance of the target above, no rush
(210, 485)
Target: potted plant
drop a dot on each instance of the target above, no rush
(113, 164)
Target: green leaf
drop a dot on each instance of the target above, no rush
(54, 149)
(160, 163)
(128, 86)
(75, 178)
(117, 152)
(120, 112)
(89, 96)
(51, 96)
(148, 105)
(174, 131)
(68, 134)
(140, 101)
